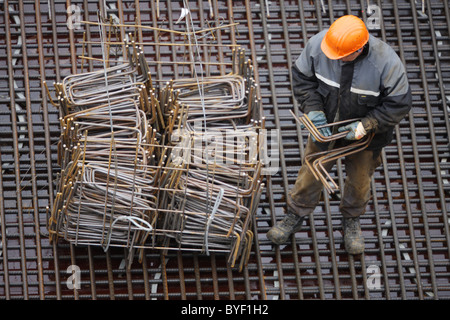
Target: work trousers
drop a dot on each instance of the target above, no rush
(359, 167)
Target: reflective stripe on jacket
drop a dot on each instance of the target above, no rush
(374, 86)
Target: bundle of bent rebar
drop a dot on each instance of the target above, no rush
(173, 168)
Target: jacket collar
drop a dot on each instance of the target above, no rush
(363, 54)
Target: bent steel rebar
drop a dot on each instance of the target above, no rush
(137, 170)
(322, 157)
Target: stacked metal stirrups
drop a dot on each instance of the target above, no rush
(171, 167)
(108, 156)
(214, 191)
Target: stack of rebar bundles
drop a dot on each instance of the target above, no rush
(217, 145)
(172, 166)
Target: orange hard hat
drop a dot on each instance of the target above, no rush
(345, 36)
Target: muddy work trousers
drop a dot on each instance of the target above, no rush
(359, 167)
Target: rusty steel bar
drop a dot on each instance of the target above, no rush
(313, 130)
(31, 148)
(249, 18)
(405, 184)
(259, 262)
(57, 70)
(263, 19)
(12, 96)
(90, 69)
(6, 274)
(434, 147)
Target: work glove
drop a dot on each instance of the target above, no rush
(356, 130)
(318, 118)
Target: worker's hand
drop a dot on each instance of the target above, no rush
(356, 130)
(318, 118)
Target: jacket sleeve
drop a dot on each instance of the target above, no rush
(305, 83)
(396, 99)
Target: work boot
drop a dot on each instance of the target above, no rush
(353, 239)
(280, 232)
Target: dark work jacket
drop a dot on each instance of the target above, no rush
(374, 86)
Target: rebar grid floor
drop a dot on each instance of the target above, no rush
(406, 226)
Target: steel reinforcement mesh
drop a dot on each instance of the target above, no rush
(406, 226)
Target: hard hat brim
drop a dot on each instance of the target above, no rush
(329, 52)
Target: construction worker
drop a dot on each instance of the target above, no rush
(345, 73)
